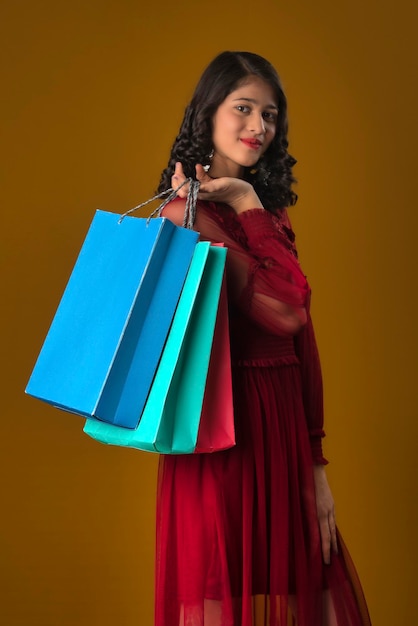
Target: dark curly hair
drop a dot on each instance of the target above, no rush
(273, 177)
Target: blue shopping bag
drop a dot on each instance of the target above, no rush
(103, 347)
(171, 417)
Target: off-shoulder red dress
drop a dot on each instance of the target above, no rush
(238, 541)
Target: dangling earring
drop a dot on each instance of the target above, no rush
(210, 157)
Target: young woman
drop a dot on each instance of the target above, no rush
(247, 537)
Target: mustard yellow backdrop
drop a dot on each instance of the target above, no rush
(92, 93)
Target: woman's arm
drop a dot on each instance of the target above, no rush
(307, 352)
(264, 278)
(312, 388)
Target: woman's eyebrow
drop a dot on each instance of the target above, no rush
(253, 101)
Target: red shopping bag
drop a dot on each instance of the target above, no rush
(216, 429)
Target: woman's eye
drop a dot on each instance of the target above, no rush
(270, 117)
(243, 108)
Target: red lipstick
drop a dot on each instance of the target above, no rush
(254, 144)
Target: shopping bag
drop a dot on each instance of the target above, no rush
(216, 428)
(171, 417)
(101, 352)
(189, 355)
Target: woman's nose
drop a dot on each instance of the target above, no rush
(257, 124)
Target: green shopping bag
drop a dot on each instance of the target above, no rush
(170, 421)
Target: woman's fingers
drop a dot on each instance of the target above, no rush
(328, 532)
(178, 170)
(224, 189)
(201, 175)
(177, 179)
(326, 514)
(333, 531)
(325, 539)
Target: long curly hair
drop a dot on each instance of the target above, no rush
(272, 176)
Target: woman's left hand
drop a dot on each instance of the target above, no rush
(326, 514)
(238, 193)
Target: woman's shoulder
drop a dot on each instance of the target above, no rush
(174, 211)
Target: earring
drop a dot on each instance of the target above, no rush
(210, 157)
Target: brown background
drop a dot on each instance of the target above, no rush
(92, 94)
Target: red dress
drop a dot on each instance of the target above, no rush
(238, 541)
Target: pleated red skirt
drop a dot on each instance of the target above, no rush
(238, 541)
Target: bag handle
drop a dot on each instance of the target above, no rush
(190, 208)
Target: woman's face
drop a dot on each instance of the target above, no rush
(243, 127)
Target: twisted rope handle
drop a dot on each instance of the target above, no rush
(191, 201)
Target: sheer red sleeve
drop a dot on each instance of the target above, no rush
(307, 352)
(265, 281)
(264, 277)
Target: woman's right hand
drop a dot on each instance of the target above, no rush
(237, 193)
